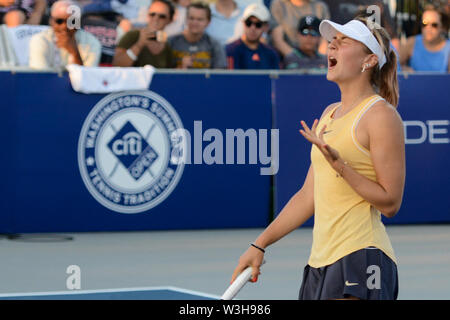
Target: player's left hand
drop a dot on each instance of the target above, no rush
(330, 154)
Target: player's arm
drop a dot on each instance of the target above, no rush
(296, 212)
(387, 151)
(299, 209)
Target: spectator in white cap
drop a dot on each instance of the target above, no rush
(249, 52)
(64, 43)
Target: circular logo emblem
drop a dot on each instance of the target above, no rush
(125, 150)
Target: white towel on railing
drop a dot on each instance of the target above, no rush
(109, 79)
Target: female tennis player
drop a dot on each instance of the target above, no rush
(357, 173)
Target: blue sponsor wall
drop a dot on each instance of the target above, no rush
(42, 190)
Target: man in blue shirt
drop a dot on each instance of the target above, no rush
(249, 52)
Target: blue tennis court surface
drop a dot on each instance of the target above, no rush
(148, 293)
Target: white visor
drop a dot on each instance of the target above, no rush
(356, 30)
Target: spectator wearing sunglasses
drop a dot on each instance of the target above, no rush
(63, 43)
(307, 56)
(148, 46)
(193, 48)
(249, 52)
(430, 50)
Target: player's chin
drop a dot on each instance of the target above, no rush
(331, 76)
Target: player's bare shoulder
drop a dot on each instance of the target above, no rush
(383, 109)
(328, 109)
(383, 114)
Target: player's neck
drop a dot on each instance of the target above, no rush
(353, 93)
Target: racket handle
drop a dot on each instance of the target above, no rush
(237, 285)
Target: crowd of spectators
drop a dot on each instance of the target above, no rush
(214, 34)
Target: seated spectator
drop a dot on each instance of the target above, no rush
(194, 48)
(106, 29)
(119, 11)
(145, 46)
(108, 21)
(177, 24)
(225, 15)
(286, 14)
(249, 52)
(61, 45)
(17, 12)
(306, 56)
(430, 50)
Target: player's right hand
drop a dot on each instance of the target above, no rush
(251, 258)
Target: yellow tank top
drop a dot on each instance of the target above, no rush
(343, 221)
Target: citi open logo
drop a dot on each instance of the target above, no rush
(125, 151)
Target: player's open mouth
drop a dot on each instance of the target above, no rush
(331, 62)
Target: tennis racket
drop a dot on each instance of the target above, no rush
(238, 283)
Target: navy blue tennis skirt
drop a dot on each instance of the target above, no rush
(367, 274)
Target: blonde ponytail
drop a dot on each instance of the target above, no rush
(385, 79)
